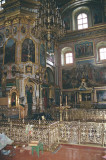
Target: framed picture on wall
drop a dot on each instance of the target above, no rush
(28, 69)
(101, 96)
(84, 49)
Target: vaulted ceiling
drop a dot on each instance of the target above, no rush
(60, 3)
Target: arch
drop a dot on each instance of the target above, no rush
(101, 44)
(28, 50)
(10, 48)
(63, 52)
(78, 11)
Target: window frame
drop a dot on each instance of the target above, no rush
(82, 24)
(78, 11)
(65, 58)
(101, 60)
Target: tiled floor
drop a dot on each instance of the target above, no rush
(63, 152)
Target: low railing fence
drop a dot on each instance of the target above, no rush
(53, 133)
(73, 114)
(77, 132)
(43, 131)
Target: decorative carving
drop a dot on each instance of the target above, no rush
(1, 39)
(23, 29)
(15, 29)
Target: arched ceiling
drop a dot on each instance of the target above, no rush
(61, 3)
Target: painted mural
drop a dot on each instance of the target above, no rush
(84, 49)
(10, 51)
(42, 55)
(28, 51)
(66, 20)
(97, 15)
(94, 76)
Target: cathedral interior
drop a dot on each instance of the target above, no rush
(53, 74)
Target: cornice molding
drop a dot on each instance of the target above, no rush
(75, 3)
(92, 32)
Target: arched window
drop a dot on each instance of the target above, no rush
(81, 18)
(68, 58)
(102, 53)
(82, 21)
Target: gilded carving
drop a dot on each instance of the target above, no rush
(7, 23)
(1, 39)
(21, 42)
(14, 30)
(23, 29)
(16, 20)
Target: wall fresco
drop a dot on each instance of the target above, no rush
(84, 49)
(66, 20)
(94, 76)
(97, 15)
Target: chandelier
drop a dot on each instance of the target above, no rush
(49, 26)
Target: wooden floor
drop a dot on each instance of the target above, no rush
(63, 152)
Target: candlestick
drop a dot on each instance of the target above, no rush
(23, 115)
(66, 100)
(60, 101)
(19, 111)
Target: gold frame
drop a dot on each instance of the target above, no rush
(35, 43)
(95, 93)
(14, 90)
(11, 37)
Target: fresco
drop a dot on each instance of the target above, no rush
(66, 20)
(94, 76)
(97, 15)
(42, 55)
(84, 49)
(28, 51)
(10, 51)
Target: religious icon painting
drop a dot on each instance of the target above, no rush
(1, 40)
(15, 29)
(23, 29)
(28, 69)
(7, 32)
